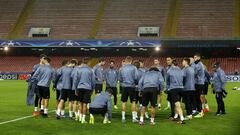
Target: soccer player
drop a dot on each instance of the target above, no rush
(44, 75)
(174, 81)
(127, 78)
(33, 85)
(189, 87)
(84, 83)
(78, 64)
(66, 92)
(111, 77)
(169, 61)
(219, 82)
(141, 71)
(162, 71)
(149, 86)
(199, 84)
(98, 72)
(102, 104)
(58, 86)
(205, 91)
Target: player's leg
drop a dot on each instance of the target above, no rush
(86, 100)
(114, 89)
(63, 98)
(71, 98)
(124, 98)
(145, 101)
(132, 95)
(153, 99)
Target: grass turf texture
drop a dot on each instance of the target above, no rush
(12, 106)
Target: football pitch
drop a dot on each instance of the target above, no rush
(13, 107)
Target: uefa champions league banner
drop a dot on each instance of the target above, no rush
(233, 78)
(80, 43)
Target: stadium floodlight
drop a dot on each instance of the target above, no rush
(157, 48)
(6, 48)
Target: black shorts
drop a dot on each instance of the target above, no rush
(58, 93)
(101, 111)
(128, 92)
(44, 92)
(149, 95)
(67, 94)
(205, 88)
(200, 89)
(84, 95)
(176, 94)
(98, 88)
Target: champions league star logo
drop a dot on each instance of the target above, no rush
(10, 43)
(130, 43)
(69, 43)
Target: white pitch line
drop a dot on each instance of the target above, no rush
(21, 118)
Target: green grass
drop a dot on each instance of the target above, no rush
(12, 106)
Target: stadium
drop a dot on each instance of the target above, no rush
(119, 32)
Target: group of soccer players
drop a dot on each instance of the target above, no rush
(76, 82)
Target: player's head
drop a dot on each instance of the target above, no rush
(169, 61)
(141, 63)
(136, 63)
(191, 60)
(85, 60)
(197, 57)
(64, 62)
(186, 62)
(216, 65)
(112, 64)
(128, 60)
(174, 62)
(156, 62)
(110, 91)
(47, 60)
(73, 62)
(42, 56)
(101, 61)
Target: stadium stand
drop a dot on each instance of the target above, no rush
(68, 19)
(123, 17)
(25, 64)
(9, 12)
(206, 19)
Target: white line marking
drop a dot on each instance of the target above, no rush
(21, 118)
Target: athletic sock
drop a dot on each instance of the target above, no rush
(45, 111)
(83, 117)
(175, 116)
(70, 114)
(152, 120)
(203, 106)
(80, 116)
(42, 107)
(181, 118)
(135, 114)
(123, 115)
(58, 112)
(141, 119)
(35, 109)
(206, 106)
